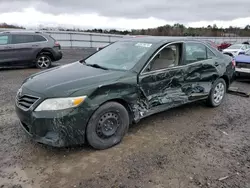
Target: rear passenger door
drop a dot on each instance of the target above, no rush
(202, 68)
(5, 50)
(26, 47)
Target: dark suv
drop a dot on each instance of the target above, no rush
(24, 48)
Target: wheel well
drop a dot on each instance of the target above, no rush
(46, 52)
(126, 105)
(226, 80)
(123, 103)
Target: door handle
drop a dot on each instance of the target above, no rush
(8, 47)
(35, 45)
(216, 64)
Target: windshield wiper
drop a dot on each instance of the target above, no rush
(96, 66)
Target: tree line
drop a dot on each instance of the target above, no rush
(166, 30)
(9, 26)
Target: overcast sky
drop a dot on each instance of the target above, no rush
(125, 14)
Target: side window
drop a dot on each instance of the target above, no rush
(4, 39)
(19, 39)
(194, 52)
(168, 57)
(210, 54)
(39, 38)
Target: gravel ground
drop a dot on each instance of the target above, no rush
(187, 147)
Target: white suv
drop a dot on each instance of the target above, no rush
(236, 49)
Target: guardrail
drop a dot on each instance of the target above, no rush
(93, 40)
(83, 39)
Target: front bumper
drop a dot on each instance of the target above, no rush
(57, 129)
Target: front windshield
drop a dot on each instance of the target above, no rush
(235, 46)
(121, 55)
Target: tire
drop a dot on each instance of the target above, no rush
(107, 126)
(43, 61)
(219, 87)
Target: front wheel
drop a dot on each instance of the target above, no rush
(107, 126)
(217, 93)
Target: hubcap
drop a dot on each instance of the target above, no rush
(219, 92)
(108, 125)
(43, 62)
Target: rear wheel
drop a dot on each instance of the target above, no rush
(217, 93)
(43, 61)
(107, 126)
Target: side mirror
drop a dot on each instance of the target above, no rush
(241, 53)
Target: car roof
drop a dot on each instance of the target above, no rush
(21, 32)
(160, 39)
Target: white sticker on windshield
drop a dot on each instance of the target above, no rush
(145, 45)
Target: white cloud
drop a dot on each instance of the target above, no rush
(240, 22)
(30, 17)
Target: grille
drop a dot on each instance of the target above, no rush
(242, 65)
(26, 101)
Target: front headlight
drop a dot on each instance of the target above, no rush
(60, 103)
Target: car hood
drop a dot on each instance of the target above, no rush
(64, 80)
(242, 58)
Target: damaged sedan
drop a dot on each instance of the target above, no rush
(96, 99)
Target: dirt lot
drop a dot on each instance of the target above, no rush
(190, 146)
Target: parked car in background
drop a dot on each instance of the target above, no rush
(236, 49)
(246, 42)
(223, 46)
(23, 48)
(243, 64)
(95, 99)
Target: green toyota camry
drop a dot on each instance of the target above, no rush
(96, 99)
